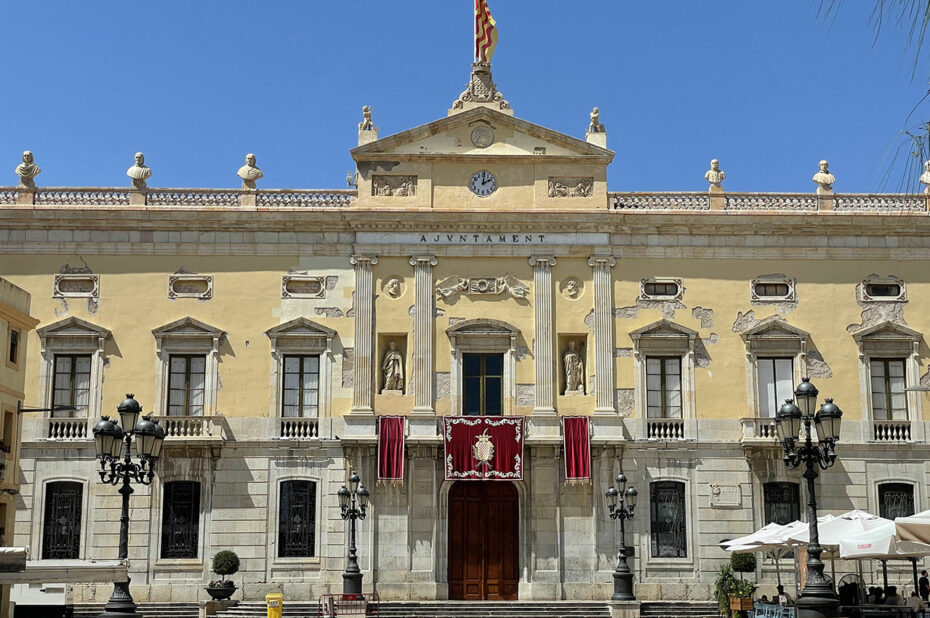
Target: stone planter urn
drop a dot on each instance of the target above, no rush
(220, 592)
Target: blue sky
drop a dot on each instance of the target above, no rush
(769, 88)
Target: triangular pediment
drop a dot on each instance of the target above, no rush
(775, 327)
(72, 327)
(888, 331)
(452, 136)
(300, 327)
(663, 328)
(188, 327)
(483, 326)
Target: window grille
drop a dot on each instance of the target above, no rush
(61, 527)
(180, 526)
(297, 520)
(782, 502)
(895, 500)
(668, 527)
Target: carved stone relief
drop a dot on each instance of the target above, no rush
(393, 287)
(481, 286)
(570, 187)
(572, 288)
(303, 286)
(190, 286)
(76, 286)
(393, 186)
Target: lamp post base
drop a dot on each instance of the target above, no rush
(120, 604)
(821, 602)
(352, 583)
(623, 587)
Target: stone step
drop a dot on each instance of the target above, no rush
(148, 610)
(441, 609)
(680, 609)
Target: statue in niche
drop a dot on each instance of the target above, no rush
(714, 175)
(574, 369)
(393, 287)
(27, 170)
(139, 172)
(596, 126)
(366, 124)
(824, 178)
(925, 177)
(392, 369)
(249, 173)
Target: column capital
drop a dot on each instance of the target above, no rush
(602, 261)
(423, 260)
(543, 260)
(363, 259)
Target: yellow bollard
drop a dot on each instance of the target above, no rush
(275, 603)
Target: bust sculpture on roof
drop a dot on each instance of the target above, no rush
(249, 173)
(366, 124)
(715, 175)
(824, 178)
(27, 170)
(139, 172)
(925, 177)
(596, 126)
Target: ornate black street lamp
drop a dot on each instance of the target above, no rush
(620, 505)
(818, 600)
(354, 505)
(116, 466)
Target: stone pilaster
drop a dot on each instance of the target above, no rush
(603, 334)
(364, 334)
(423, 334)
(545, 365)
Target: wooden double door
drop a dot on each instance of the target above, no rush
(483, 541)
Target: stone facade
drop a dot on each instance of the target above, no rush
(625, 277)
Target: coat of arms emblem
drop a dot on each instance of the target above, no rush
(483, 449)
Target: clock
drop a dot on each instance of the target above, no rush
(483, 183)
(482, 137)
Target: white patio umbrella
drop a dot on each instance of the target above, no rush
(769, 539)
(840, 527)
(914, 528)
(883, 543)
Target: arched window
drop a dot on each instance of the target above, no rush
(297, 520)
(61, 526)
(895, 500)
(668, 520)
(180, 524)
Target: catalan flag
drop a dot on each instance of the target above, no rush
(485, 32)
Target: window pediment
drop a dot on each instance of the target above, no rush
(300, 333)
(189, 334)
(483, 333)
(775, 336)
(73, 333)
(663, 337)
(886, 339)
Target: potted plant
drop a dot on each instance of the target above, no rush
(732, 594)
(224, 563)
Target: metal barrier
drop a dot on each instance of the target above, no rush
(332, 605)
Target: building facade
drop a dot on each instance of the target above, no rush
(481, 267)
(15, 324)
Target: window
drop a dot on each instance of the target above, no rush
(663, 387)
(656, 288)
(61, 526)
(781, 502)
(297, 520)
(879, 290)
(776, 383)
(770, 290)
(882, 289)
(71, 384)
(895, 500)
(483, 376)
(186, 385)
(301, 394)
(889, 400)
(13, 356)
(180, 524)
(668, 530)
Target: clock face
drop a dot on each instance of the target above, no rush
(483, 183)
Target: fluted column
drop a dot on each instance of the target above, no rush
(545, 367)
(423, 334)
(364, 333)
(603, 334)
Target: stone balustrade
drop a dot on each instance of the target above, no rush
(759, 430)
(665, 429)
(299, 428)
(67, 429)
(193, 428)
(770, 202)
(891, 431)
(177, 198)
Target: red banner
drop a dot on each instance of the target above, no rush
(391, 430)
(576, 440)
(483, 448)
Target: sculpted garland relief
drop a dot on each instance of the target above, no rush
(570, 187)
(393, 186)
(490, 286)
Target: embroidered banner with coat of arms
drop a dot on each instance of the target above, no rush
(483, 448)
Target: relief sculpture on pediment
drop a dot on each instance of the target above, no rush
(571, 187)
(393, 186)
(449, 288)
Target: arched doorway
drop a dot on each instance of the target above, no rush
(483, 541)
